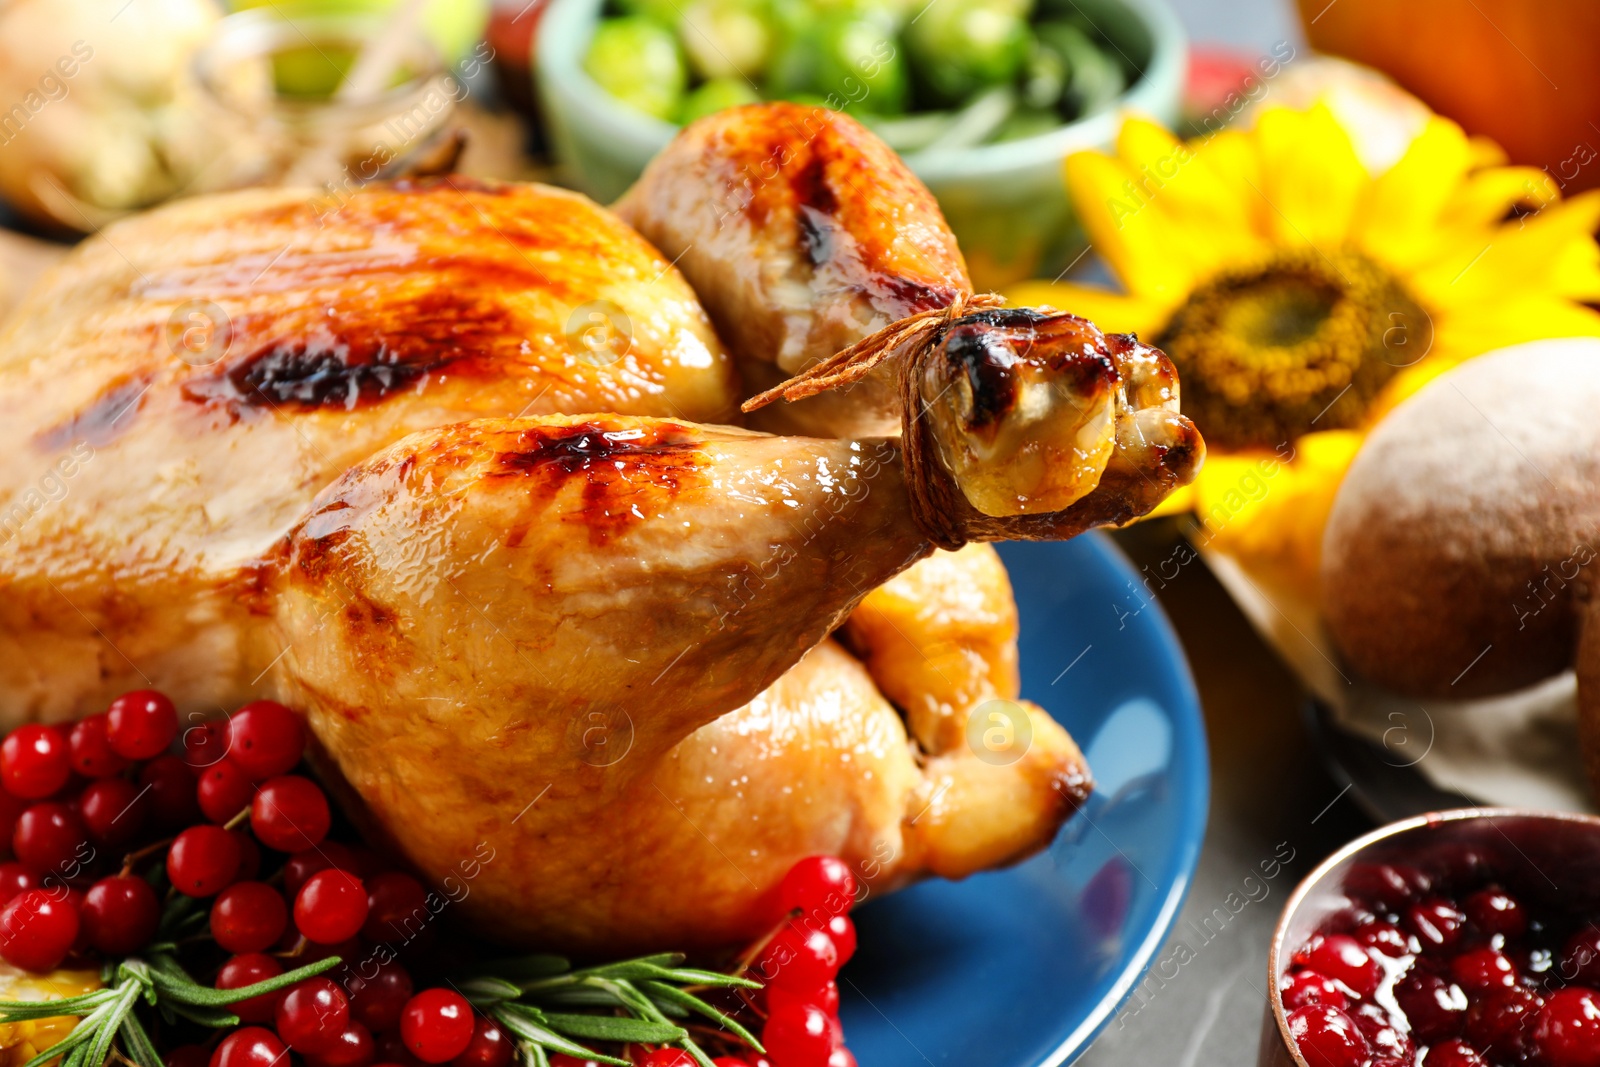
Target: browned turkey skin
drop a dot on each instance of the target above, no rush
(538, 598)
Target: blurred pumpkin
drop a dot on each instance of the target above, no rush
(1525, 74)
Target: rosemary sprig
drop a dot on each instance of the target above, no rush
(108, 1014)
(545, 1004)
(550, 1007)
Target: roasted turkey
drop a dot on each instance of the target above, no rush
(458, 469)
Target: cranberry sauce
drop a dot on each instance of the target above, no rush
(1455, 956)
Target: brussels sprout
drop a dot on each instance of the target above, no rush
(718, 94)
(638, 61)
(1094, 79)
(961, 47)
(1044, 78)
(859, 65)
(851, 60)
(726, 37)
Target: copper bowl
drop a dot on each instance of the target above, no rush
(1551, 860)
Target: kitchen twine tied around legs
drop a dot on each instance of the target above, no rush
(938, 506)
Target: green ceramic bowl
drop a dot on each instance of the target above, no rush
(1006, 202)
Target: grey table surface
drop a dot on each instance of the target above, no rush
(1271, 793)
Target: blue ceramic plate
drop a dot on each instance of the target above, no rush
(1022, 967)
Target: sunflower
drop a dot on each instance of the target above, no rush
(1301, 296)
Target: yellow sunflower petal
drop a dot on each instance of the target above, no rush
(1486, 197)
(1186, 184)
(1112, 312)
(1485, 152)
(1200, 218)
(1522, 256)
(1511, 321)
(1232, 155)
(1401, 207)
(1269, 510)
(1311, 175)
(1121, 229)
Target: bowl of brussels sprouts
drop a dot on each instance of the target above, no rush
(983, 98)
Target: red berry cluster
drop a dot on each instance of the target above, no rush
(78, 803)
(799, 965)
(1478, 980)
(70, 796)
(105, 785)
(332, 1026)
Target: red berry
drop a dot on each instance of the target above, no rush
(841, 1057)
(843, 932)
(1502, 1023)
(35, 761)
(247, 970)
(1383, 1034)
(561, 1059)
(1568, 1033)
(826, 998)
(92, 755)
(203, 860)
(720, 1061)
(377, 1001)
(1328, 1037)
(37, 930)
(798, 959)
(1435, 1007)
(1341, 957)
(266, 739)
(1436, 923)
(1580, 959)
(352, 1048)
(1455, 1053)
(490, 1047)
(113, 812)
(1495, 912)
(1384, 937)
(1390, 885)
(799, 1035)
(397, 907)
(331, 907)
(205, 743)
(248, 917)
(437, 1025)
(171, 793)
(250, 1046)
(120, 914)
(1304, 988)
(140, 725)
(821, 885)
(667, 1057)
(17, 878)
(312, 1015)
(51, 837)
(1479, 970)
(290, 814)
(224, 791)
(302, 865)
